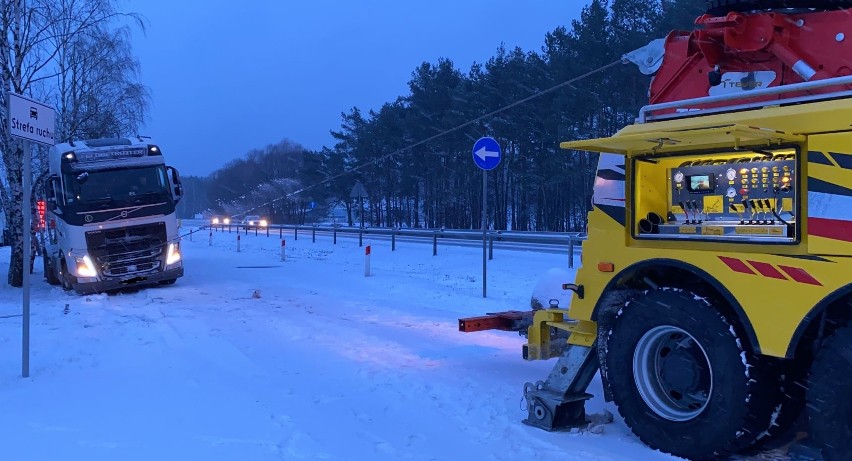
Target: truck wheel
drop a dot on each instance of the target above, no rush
(723, 7)
(830, 397)
(49, 271)
(65, 278)
(681, 379)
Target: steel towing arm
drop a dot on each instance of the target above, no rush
(558, 402)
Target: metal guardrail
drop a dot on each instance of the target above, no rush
(572, 241)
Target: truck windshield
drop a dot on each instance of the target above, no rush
(117, 187)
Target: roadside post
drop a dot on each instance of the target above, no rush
(367, 261)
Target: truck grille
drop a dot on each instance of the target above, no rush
(128, 252)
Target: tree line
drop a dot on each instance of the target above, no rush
(413, 155)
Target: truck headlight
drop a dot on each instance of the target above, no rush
(227, 221)
(263, 223)
(173, 254)
(215, 220)
(85, 267)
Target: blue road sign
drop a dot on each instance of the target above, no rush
(486, 153)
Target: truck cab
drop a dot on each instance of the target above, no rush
(110, 216)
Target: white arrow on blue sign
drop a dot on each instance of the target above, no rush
(486, 153)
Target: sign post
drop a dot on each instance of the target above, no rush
(359, 192)
(486, 155)
(29, 120)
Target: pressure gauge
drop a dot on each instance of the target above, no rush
(731, 174)
(678, 177)
(731, 192)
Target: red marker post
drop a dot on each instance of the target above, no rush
(238, 242)
(283, 245)
(367, 261)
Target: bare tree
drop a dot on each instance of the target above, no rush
(98, 93)
(38, 40)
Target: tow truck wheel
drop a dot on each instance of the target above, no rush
(830, 397)
(680, 378)
(723, 7)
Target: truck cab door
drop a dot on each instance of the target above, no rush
(174, 180)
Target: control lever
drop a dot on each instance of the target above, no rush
(760, 219)
(697, 212)
(685, 211)
(745, 210)
(768, 210)
(753, 213)
(739, 215)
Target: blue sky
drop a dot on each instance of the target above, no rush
(228, 77)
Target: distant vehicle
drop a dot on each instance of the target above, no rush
(217, 220)
(254, 221)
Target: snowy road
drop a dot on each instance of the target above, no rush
(324, 364)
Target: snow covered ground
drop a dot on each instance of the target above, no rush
(251, 358)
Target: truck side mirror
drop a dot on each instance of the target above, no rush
(174, 178)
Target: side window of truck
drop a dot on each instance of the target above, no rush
(69, 191)
(161, 178)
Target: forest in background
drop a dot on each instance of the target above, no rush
(416, 164)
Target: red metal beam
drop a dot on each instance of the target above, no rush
(505, 321)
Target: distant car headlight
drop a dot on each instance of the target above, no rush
(173, 254)
(227, 220)
(251, 223)
(215, 220)
(85, 267)
(263, 223)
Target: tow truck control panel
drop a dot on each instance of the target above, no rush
(739, 199)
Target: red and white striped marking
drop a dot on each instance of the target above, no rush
(367, 261)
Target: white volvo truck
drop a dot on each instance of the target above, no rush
(110, 216)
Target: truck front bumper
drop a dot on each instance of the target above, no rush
(89, 286)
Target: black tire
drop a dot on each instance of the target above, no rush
(65, 278)
(830, 397)
(788, 419)
(681, 379)
(49, 271)
(723, 7)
